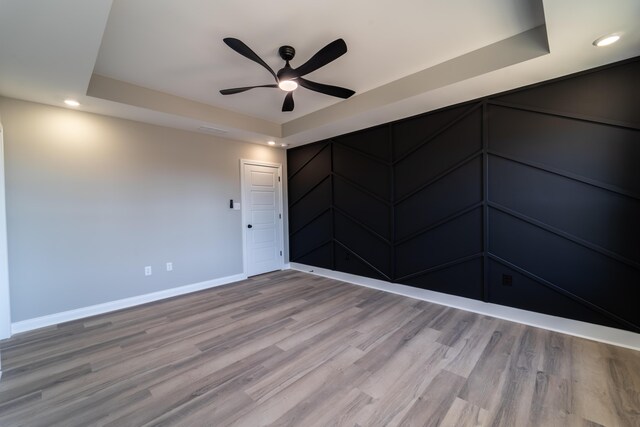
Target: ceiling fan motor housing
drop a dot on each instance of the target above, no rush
(287, 53)
(287, 73)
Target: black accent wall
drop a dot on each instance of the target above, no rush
(529, 199)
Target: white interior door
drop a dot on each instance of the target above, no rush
(262, 219)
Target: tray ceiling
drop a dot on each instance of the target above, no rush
(163, 62)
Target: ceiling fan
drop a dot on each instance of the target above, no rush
(287, 78)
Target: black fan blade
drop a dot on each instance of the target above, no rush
(242, 89)
(245, 51)
(330, 52)
(288, 102)
(340, 92)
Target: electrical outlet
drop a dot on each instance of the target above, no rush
(169, 266)
(147, 270)
(507, 280)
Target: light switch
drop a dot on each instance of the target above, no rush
(236, 206)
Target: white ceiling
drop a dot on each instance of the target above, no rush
(173, 52)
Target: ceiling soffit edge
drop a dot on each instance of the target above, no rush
(504, 53)
(126, 93)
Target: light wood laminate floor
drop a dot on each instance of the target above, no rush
(291, 349)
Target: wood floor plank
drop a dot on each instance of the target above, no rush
(464, 414)
(623, 384)
(342, 412)
(592, 399)
(420, 359)
(290, 349)
(513, 407)
(434, 403)
(397, 390)
(299, 393)
(487, 375)
(551, 401)
(395, 342)
(327, 398)
(471, 345)
(176, 397)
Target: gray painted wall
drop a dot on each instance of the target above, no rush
(92, 200)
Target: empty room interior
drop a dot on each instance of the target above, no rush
(336, 213)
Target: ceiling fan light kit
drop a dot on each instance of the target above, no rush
(287, 78)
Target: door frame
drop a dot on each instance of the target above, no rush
(5, 302)
(245, 206)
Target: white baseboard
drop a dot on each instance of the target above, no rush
(576, 328)
(79, 313)
(286, 266)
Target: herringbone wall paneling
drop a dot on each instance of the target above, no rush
(529, 199)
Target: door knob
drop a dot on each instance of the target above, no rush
(249, 226)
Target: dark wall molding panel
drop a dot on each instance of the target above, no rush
(529, 199)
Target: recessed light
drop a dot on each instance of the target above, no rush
(606, 40)
(271, 143)
(72, 102)
(283, 145)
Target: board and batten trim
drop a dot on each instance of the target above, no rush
(591, 331)
(93, 310)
